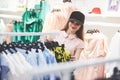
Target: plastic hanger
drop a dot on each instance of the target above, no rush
(67, 1)
(6, 47)
(12, 46)
(40, 45)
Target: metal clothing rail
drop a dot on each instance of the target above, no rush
(26, 33)
(69, 66)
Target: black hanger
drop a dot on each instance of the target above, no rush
(116, 74)
(89, 31)
(2, 49)
(56, 44)
(118, 30)
(35, 46)
(12, 46)
(6, 47)
(67, 1)
(21, 45)
(29, 46)
(47, 44)
(40, 45)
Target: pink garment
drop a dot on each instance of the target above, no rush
(71, 42)
(95, 47)
(8, 28)
(58, 17)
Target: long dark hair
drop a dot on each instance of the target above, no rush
(79, 33)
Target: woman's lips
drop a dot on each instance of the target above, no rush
(73, 27)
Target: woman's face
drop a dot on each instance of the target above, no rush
(73, 26)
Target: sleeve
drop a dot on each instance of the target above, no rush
(80, 44)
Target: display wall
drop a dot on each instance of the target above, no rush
(107, 22)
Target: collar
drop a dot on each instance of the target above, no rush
(71, 36)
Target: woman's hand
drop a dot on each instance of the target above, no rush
(72, 58)
(77, 53)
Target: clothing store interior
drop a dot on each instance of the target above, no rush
(59, 39)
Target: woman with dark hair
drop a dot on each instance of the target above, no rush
(72, 36)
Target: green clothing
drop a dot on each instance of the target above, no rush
(44, 7)
(31, 23)
(18, 27)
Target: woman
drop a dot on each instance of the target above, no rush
(72, 35)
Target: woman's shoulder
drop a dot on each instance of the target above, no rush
(79, 41)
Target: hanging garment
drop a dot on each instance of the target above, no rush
(8, 28)
(95, 47)
(40, 60)
(114, 52)
(44, 8)
(30, 27)
(58, 17)
(24, 60)
(18, 67)
(61, 54)
(4, 69)
(50, 59)
(30, 23)
(2, 29)
(18, 27)
(35, 59)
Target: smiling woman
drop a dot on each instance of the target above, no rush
(72, 35)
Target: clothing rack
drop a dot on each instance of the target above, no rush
(26, 33)
(69, 66)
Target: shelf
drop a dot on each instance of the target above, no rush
(102, 24)
(10, 16)
(103, 15)
(11, 10)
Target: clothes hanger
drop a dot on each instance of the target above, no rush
(118, 30)
(56, 44)
(89, 31)
(34, 46)
(29, 46)
(21, 45)
(40, 45)
(26, 47)
(6, 47)
(12, 46)
(48, 45)
(2, 49)
(67, 1)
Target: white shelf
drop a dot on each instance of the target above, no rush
(10, 16)
(11, 10)
(105, 24)
(103, 15)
